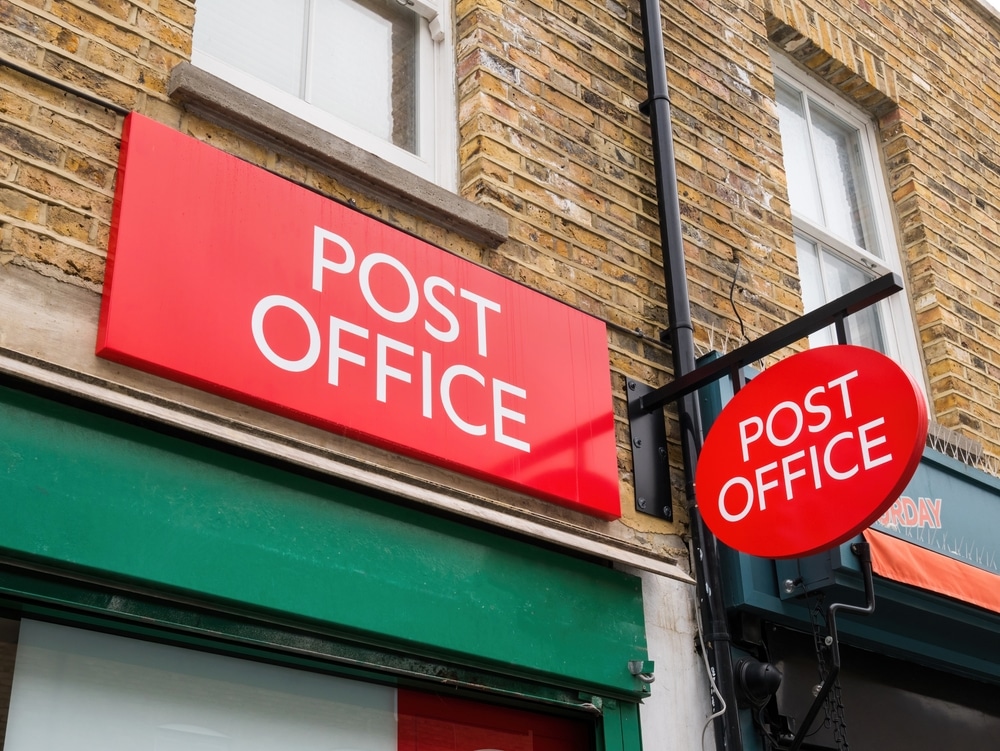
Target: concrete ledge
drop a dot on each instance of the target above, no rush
(214, 99)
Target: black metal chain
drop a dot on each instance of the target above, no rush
(834, 704)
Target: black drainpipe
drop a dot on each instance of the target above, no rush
(681, 331)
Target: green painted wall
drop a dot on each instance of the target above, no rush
(86, 492)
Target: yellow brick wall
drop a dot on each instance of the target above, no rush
(58, 153)
(550, 131)
(931, 73)
(550, 135)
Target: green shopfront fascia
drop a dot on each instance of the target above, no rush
(131, 555)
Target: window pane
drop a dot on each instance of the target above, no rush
(364, 66)
(76, 689)
(813, 289)
(264, 38)
(802, 187)
(809, 271)
(863, 328)
(846, 204)
(825, 277)
(8, 648)
(839, 229)
(841, 277)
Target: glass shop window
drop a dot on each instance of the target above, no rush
(75, 690)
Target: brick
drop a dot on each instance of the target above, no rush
(181, 13)
(167, 34)
(118, 8)
(79, 136)
(78, 73)
(26, 23)
(64, 190)
(107, 58)
(44, 248)
(17, 48)
(83, 21)
(15, 107)
(68, 223)
(19, 140)
(16, 204)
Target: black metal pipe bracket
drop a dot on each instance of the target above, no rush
(645, 403)
(863, 551)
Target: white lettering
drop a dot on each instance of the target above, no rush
(320, 262)
(257, 326)
(450, 375)
(835, 474)
(383, 370)
(427, 391)
(867, 445)
(794, 408)
(789, 476)
(746, 440)
(482, 305)
(724, 510)
(500, 412)
(796, 447)
(337, 353)
(842, 382)
(763, 487)
(400, 304)
(817, 409)
(364, 277)
(450, 334)
(814, 461)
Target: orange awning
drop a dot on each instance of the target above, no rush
(911, 564)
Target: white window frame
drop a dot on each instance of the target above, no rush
(436, 159)
(895, 313)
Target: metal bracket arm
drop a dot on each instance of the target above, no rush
(645, 403)
(863, 551)
(833, 313)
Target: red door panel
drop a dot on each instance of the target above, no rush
(435, 723)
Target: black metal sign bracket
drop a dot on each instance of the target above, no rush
(650, 468)
(832, 640)
(645, 403)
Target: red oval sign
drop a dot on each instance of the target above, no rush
(811, 452)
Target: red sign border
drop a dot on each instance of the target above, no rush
(604, 505)
(714, 447)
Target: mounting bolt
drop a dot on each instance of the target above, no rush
(816, 689)
(789, 585)
(638, 443)
(662, 452)
(631, 385)
(666, 510)
(642, 503)
(828, 641)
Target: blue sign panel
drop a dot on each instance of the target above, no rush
(951, 509)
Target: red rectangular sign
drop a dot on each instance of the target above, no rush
(225, 277)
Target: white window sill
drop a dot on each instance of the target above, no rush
(216, 100)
